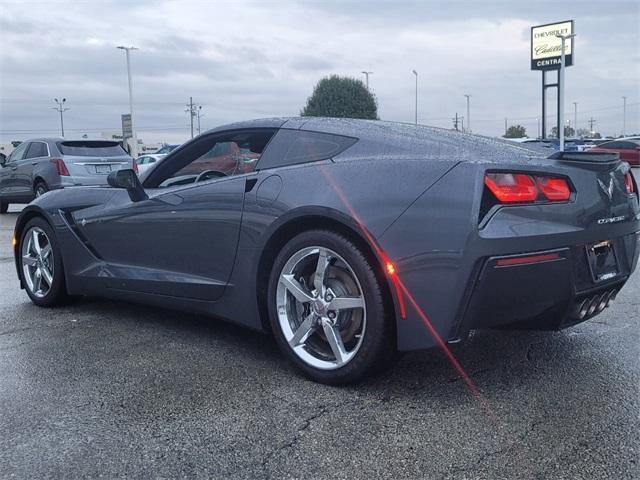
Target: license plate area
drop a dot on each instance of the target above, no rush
(103, 168)
(602, 261)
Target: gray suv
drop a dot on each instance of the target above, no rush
(43, 164)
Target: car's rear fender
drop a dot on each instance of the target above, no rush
(438, 245)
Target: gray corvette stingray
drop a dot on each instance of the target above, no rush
(349, 240)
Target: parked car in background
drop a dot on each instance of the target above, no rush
(629, 150)
(570, 145)
(39, 165)
(145, 162)
(166, 149)
(148, 160)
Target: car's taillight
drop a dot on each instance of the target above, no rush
(628, 180)
(60, 166)
(511, 187)
(554, 189)
(524, 188)
(135, 166)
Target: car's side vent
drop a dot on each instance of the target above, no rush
(68, 219)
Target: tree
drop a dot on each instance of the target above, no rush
(568, 131)
(583, 132)
(515, 131)
(342, 97)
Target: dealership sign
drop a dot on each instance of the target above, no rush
(546, 46)
(127, 131)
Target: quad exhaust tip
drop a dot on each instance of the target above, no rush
(593, 305)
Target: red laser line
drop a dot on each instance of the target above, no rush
(401, 288)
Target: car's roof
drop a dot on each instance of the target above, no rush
(630, 140)
(44, 139)
(60, 139)
(408, 136)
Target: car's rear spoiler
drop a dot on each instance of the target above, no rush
(593, 157)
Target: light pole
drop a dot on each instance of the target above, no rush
(61, 108)
(200, 114)
(538, 122)
(468, 113)
(575, 119)
(563, 39)
(134, 152)
(624, 116)
(416, 74)
(366, 76)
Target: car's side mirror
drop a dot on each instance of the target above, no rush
(128, 179)
(3, 159)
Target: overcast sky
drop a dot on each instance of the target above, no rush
(243, 60)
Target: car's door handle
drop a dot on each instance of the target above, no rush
(34, 163)
(14, 168)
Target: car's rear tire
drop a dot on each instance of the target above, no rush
(40, 188)
(41, 270)
(4, 206)
(330, 320)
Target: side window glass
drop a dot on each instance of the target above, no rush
(18, 153)
(224, 159)
(36, 149)
(290, 147)
(218, 156)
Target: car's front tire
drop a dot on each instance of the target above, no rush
(41, 270)
(327, 308)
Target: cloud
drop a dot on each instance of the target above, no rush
(245, 59)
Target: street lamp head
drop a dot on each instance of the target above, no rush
(64, 100)
(55, 100)
(415, 73)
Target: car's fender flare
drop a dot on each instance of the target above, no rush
(28, 212)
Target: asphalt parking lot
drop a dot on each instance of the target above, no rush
(101, 388)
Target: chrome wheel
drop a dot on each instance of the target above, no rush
(321, 308)
(37, 262)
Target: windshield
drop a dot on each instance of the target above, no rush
(92, 148)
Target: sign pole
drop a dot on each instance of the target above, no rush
(559, 115)
(544, 105)
(561, 98)
(563, 39)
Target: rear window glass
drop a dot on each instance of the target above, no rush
(92, 148)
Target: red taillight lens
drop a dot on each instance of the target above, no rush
(135, 166)
(60, 166)
(523, 188)
(555, 189)
(628, 180)
(511, 187)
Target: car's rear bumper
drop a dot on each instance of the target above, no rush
(543, 290)
(82, 180)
